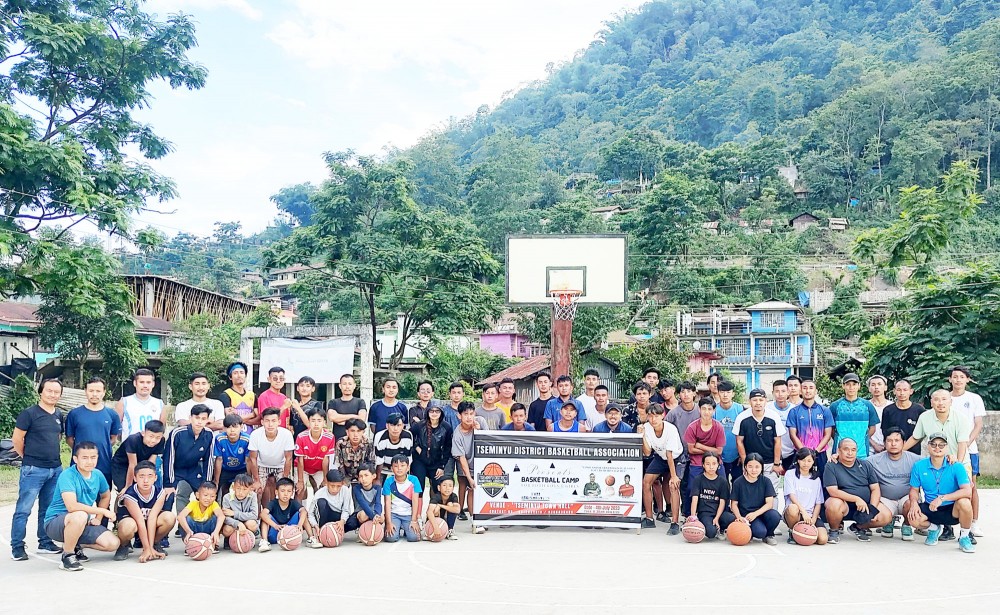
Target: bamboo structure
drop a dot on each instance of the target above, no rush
(159, 297)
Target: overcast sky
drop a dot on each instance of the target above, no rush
(291, 79)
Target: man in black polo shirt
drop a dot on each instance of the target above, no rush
(37, 431)
(854, 494)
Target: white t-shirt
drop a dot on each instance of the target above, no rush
(669, 440)
(183, 410)
(271, 453)
(877, 437)
(787, 448)
(971, 405)
(589, 404)
(138, 412)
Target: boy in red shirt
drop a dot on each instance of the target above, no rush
(312, 453)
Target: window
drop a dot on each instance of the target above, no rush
(772, 320)
(733, 348)
(771, 346)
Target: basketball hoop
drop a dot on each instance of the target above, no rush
(564, 303)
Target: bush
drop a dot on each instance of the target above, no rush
(16, 398)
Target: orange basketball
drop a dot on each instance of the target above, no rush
(241, 542)
(199, 547)
(804, 534)
(436, 529)
(290, 537)
(739, 533)
(493, 469)
(609, 480)
(331, 535)
(371, 533)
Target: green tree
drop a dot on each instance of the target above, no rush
(429, 268)
(86, 67)
(295, 203)
(93, 316)
(945, 321)
(18, 396)
(926, 224)
(467, 365)
(637, 155)
(660, 352)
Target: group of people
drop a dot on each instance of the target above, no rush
(256, 463)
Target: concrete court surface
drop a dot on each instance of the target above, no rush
(526, 570)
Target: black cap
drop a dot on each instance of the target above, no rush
(757, 393)
(614, 407)
(850, 377)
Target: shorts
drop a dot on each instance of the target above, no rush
(974, 464)
(202, 527)
(55, 528)
(895, 506)
(968, 467)
(944, 515)
(658, 465)
(861, 518)
(264, 473)
(317, 477)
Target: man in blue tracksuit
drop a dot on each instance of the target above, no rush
(187, 457)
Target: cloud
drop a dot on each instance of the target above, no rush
(243, 7)
(483, 49)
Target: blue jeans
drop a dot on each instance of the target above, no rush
(272, 534)
(34, 484)
(402, 527)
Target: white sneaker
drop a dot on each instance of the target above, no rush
(478, 529)
(451, 535)
(978, 533)
(264, 546)
(314, 543)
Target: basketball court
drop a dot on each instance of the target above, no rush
(525, 570)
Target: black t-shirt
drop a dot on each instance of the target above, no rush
(711, 493)
(906, 420)
(354, 406)
(759, 437)
(296, 422)
(436, 498)
(41, 439)
(536, 414)
(134, 444)
(751, 496)
(281, 516)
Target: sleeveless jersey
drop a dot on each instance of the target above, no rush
(242, 404)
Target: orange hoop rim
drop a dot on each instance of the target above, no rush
(565, 297)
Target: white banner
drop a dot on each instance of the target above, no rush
(323, 360)
(532, 478)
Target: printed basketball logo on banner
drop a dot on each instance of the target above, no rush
(493, 479)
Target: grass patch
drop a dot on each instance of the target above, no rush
(988, 482)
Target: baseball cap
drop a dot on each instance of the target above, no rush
(614, 407)
(850, 377)
(937, 436)
(394, 419)
(757, 393)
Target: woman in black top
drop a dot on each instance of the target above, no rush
(432, 448)
(709, 495)
(753, 500)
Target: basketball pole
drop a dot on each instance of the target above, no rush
(562, 344)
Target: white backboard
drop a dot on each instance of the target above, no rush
(597, 265)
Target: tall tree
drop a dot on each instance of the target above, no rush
(427, 268)
(85, 66)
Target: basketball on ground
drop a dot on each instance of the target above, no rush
(371, 533)
(199, 547)
(436, 529)
(804, 534)
(290, 537)
(242, 542)
(693, 530)
(331, 535)
(739, 533)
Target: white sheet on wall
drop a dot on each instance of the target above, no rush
(323, 360)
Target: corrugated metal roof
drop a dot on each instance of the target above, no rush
(23, 315)
(522, 370)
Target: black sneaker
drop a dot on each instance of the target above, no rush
(860, 533)
(18, 555)
(158, 547)
(462, 516)
(178, 533)
(648, 523)
(662, 517)
(834, 537)
(674, 530)
(972, 537)
(948, 533)
(70, 563)
(121, 554)
(48, 548)
(80, 555)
